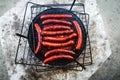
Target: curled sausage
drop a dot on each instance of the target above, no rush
(56, 27)
(60, 39)
(58, 51)
(79, 32)
(57, 57)
(55, 33)
(57, 45)
(38, 29)
(56, 21)
(55, 16)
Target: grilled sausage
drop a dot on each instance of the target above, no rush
(56, 21)
(38, 29)
(57, 45)
(56, 28)
(56, 33)
(79, 32)
(58, 51)
(60, 39)
(55, 16)
(57, 57)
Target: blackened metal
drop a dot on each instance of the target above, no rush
(21, 35)
(72, 5)
(80, 64)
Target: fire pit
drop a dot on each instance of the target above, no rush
(57, 37)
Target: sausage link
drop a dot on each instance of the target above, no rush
(58, 51)
(56, 27)
(79, 32)
(56, 21)
(56, 33)
(57, 45)
(60, 39)
(56, 16)
(57, 57)
(38, 29)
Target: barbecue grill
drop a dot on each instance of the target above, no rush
(29, 38)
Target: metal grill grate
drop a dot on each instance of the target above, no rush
(25, 56)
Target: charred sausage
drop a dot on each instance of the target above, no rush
(38, 29)
(56, 33)
(56, 28)
(57, 45)
(60, 39)
(79, 33)
(56, 21)
(57, 57)
(58, 51)
(55, 16)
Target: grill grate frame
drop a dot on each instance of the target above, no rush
(24, 54)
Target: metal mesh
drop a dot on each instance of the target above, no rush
(25, 56)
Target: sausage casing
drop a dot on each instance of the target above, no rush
(60, 39)
(58, 45)
(56, 16)
(57, 57)
(56, 33)
(38, 29)
(56, 21)
(56, 28)
(79, 33)
(58, 51)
